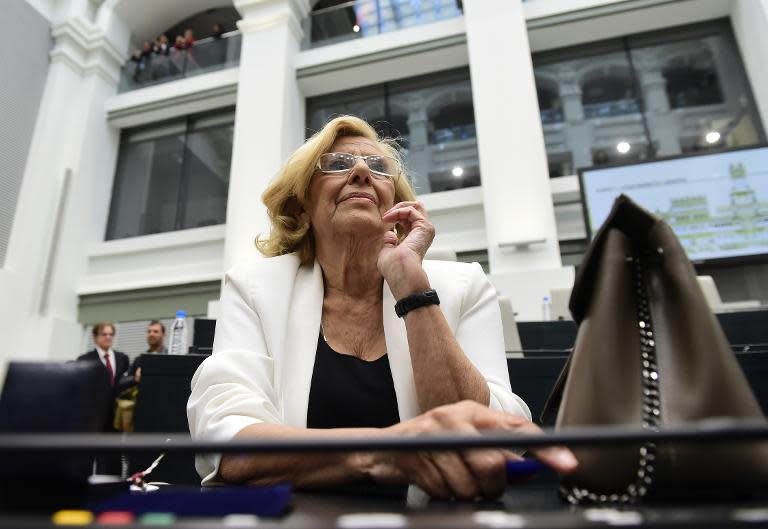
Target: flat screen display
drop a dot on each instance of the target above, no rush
(716, 203)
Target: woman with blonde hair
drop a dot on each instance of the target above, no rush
(340, 332)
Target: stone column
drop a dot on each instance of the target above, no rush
(664, 124)
(578, 131)
(419, 153)
(269, 122)
(749, 19)
(517, 200)
(64, 198)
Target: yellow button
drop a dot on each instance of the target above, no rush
(72, 517)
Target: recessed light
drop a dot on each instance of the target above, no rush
(457, 171)
(623, 147)
(356, 28)
(712, 137)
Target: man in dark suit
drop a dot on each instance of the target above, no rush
(115, 363)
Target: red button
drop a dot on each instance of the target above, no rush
(115, 518)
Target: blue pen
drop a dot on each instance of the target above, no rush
(524, 468)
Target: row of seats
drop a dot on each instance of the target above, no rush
(561, 296)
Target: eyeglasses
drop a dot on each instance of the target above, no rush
(381, 167)
(106, 334)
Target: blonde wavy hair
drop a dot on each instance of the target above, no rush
(290, 225)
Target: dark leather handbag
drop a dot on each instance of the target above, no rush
(650, 353)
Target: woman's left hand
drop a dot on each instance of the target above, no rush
(400, 262)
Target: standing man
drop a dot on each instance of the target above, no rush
(115, 363)
(156, 337)
(116, 366)
(155, 344)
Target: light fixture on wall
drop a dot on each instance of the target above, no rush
(623, 147)
(457, 171)
(712, 137)
(356, 28)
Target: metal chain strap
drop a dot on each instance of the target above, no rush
(651, 405)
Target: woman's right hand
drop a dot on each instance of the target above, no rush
(463, 474)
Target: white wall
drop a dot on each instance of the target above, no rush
(750, 25)
(80, 119)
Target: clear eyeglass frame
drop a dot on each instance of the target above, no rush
(323, 164)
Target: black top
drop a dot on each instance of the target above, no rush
(347, 392)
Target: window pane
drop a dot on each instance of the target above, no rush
(697, 95)
(172, 175)
(146, 187)
(334, 21)
(208, 155)
(366, 103)
(431, 116)
(644, 96)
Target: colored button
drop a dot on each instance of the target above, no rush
(72, 517)
(243, 521)
(115, 518)
(158, 518)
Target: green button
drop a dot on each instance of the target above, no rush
(157, 518)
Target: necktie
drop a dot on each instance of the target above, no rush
(110, 370)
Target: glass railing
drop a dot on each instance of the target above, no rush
(552, 115)
(206, 55)
(611, 108)
(363, 18)
(456, 133)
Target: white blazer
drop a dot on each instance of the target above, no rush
(266, 337)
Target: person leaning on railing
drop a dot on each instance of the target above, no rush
(308, 343)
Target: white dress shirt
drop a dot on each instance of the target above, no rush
(112, 359)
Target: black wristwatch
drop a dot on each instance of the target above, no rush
(414, 301)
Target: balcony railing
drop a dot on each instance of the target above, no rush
(206, 55)
(552, 115)
(363, 18)
(611, 108)
(450, 134)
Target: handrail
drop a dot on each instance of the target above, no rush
(707, 431)
(205, 54)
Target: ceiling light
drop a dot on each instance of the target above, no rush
(712, 137)
(457, 171)
(356, 28)
(623, 147)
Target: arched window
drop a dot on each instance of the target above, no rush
(451, 122)
(693, 81)
(202, 23)
(609, 91)
(393, 126)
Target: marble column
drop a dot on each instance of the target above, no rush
(64, 198)
(517, 200)
(664, 124)
(269, 121)
(578, 131)
(419, 153)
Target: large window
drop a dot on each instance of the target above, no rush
(172, 176)
(334, 21)
(431, 116)
(644, 96)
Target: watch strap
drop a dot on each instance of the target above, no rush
(414, 301)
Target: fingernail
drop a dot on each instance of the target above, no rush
(566, 458)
